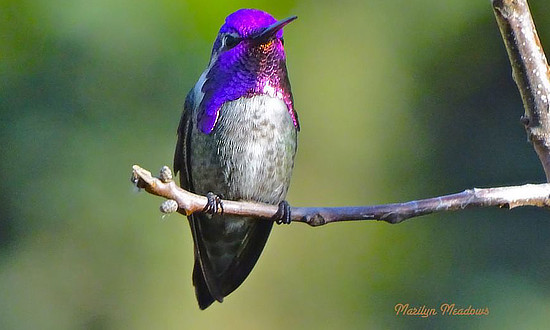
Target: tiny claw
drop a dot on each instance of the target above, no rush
(283, 214)
(213, 205)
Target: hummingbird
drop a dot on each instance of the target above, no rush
(237, 138)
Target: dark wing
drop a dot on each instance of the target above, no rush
(181, 155)
(182, 165)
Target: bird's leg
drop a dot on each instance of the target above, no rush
(213, 205)
(283, 213)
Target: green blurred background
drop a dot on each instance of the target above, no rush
(398, 100)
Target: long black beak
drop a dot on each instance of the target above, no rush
(265, 34)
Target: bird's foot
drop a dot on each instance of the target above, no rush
(213, 205)
(283, 213)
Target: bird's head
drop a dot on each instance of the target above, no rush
(248, 58)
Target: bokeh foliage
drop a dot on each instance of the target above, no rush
(398, 100)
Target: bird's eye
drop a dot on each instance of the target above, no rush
(230, 41)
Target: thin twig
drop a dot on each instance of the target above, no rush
(530, 71)
(526, 195)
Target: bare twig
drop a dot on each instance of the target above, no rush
(530, 71)
(526, 195)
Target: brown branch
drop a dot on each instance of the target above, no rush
(510, 197)
(530, 71)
